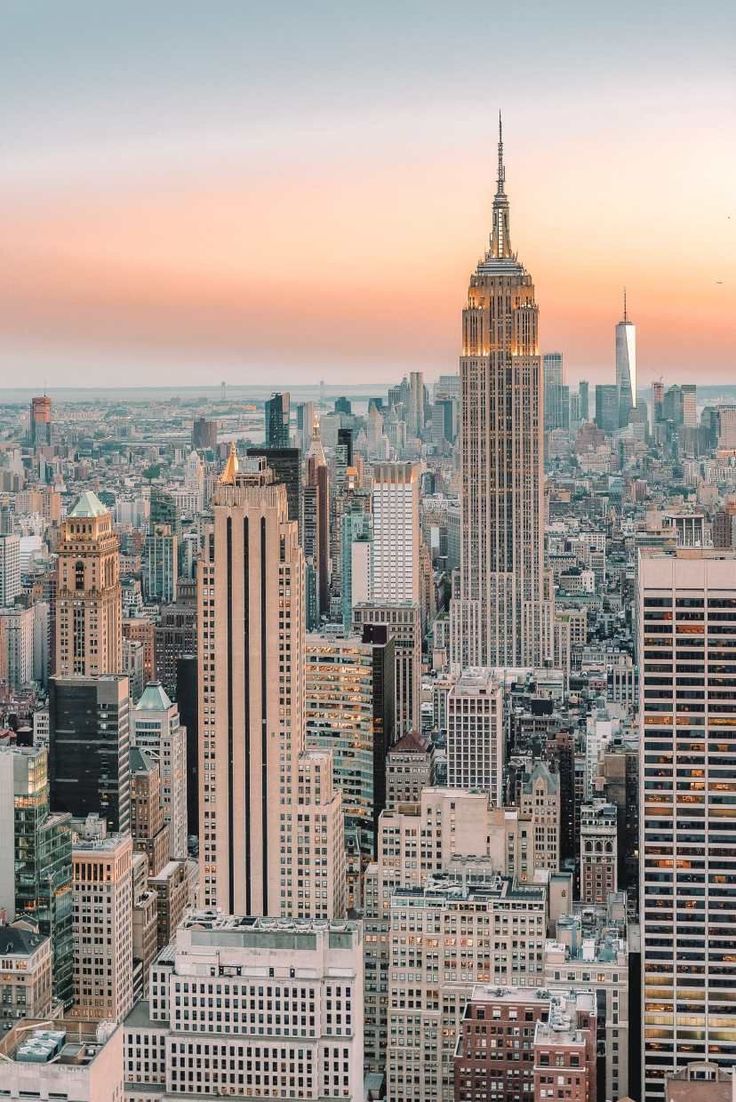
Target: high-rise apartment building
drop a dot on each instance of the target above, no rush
(396, 533)
(271, 834)
(277, 417)
(626, 367)
(475, 733)
(155, 726)
(497, 619)
(88, 601)
(103, 927)
(40, 423)
(89, 748)
(36, 858)
(687, 707)
(255, 1008)
(10, 579)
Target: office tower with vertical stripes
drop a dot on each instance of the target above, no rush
(497, 619)
(271, 837)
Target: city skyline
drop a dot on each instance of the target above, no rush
(152, 214)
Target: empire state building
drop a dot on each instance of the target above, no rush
(498, 618)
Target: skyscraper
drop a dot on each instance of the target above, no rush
(36, 858)
(265, 804)
(395, 557)
(10, 580)
(277, 414)
(687, 709)
(40, 427)
(626, 366)
(156, 727)
(88, 604)
(89, 748)
(497, 620)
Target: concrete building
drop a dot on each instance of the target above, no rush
(396, 533)
(540, 802)
(271, 828)
(174, 886)
(410, 768)
(25, 974)
(254, 1007)
(103, 926)
(10, 579)
(155, 726)
(598, 851)
(88, 600)
(497, 619)
(443, 939)
(686, 618)
(565, 1050)
(475, 733)
(502, 1038)
(403, 621)
(89, 748)
(68, 1058)
(18, 636)
(147, 826)
(591, 952)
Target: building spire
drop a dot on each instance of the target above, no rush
(500, 232)
(626, 316)
(227, 478)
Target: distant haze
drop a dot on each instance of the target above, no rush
(191, 193)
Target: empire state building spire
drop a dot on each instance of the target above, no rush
(501, 233)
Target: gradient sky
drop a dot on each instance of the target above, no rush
(192, 192)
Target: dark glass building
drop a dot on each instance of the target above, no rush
(89, 744)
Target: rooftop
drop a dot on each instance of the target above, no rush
(88, 505)
(153, 699)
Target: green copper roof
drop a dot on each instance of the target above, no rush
(88, 505)
(154, 699)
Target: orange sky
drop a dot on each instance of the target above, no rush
(342, 249)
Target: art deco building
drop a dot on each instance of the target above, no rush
(271, 835)
(687, 642)
(626, 367)
(498, 618)
(88, 603)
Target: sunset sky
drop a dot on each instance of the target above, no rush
(230, 190)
